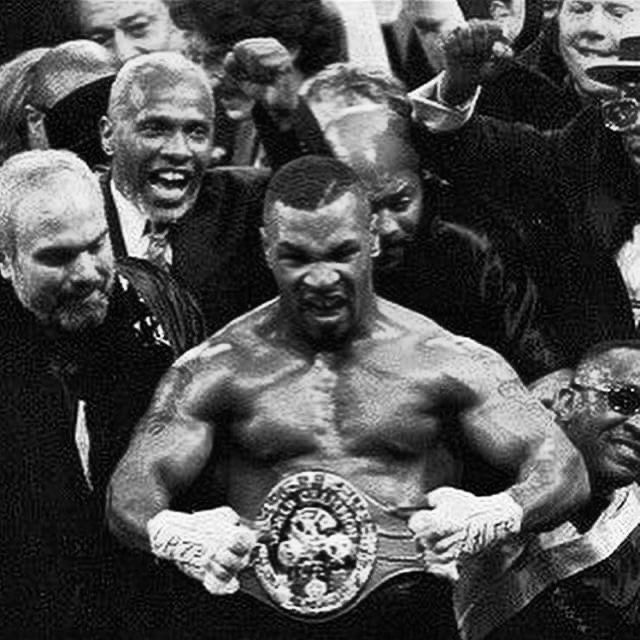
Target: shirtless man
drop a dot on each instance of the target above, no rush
(329, 380)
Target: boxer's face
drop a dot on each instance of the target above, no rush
(374, 144)
(605, 426)
(62, 267)
(322, 263)
(162, 144)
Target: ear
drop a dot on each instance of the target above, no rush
(106, 135)
(499, 10)
(375, 236)
(564, 404)
(6, 267)
(267, 248)
(36, 133)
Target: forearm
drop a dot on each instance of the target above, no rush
(132, 500)
(553, 484)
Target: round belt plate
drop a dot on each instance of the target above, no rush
(321, 545)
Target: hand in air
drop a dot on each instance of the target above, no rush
(262, 69)
(471, 52)
(211, 546)
(458, 522)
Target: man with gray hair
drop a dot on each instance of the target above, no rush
(164, 205)
(80, 355)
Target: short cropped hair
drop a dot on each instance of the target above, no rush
(29, 171)
(15, 84)
(353, 83)
(315, 29)
(142, 71)
(309, 183)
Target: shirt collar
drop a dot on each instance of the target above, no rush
(132, 220)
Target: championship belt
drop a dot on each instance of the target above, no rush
(323, 546)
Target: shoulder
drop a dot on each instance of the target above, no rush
(230, 347)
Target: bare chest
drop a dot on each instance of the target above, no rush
(335, 412)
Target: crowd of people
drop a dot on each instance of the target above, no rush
(295, 345)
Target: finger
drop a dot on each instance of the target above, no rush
(230, 562)
(234, 68)
(221, 573)
(242, 540)
(441, 546)
(220, 587)
(448, 572)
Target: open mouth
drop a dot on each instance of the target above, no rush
(595, 54)
(325, 306)
(170, 184)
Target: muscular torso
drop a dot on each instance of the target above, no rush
(383, 413)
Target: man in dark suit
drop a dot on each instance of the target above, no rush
(162, 202)
(572, 193)
(80, 355)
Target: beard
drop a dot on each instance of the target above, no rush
(80, 315)
(73, 312)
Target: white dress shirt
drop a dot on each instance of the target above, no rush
(133, 224)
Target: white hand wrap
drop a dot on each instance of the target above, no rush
(192, 541)
(462, 523)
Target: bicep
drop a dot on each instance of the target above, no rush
(173, 441)
(507, 427)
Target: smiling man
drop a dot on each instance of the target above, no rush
(580, 579)
(162, 202)
(336, 420)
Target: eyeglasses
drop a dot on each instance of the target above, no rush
(620, 114)
(623, 398)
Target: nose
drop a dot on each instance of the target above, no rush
(388, 224)
(595, 27)
(86, 270)
(177, 147)
(124, 46)
(321, 276)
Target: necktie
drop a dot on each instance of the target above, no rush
(156, 252)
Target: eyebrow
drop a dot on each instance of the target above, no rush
(346, 245)
(136, 16)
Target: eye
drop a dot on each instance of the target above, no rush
(579, 7)
(55, 257)
(618, 11)
(138, 29)
(102, 38)
(198, 132)
(152, 127)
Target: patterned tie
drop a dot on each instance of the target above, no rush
(156, 252)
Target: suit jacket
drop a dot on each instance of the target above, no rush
(573, 196)
(57, 563)
(217, 250)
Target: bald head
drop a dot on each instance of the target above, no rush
(66, 68)
(140, 75)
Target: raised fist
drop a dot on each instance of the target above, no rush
(471, 52)
(262, 69)
(211, 546)
(459, 522)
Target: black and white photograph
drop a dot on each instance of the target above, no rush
(319, 319)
